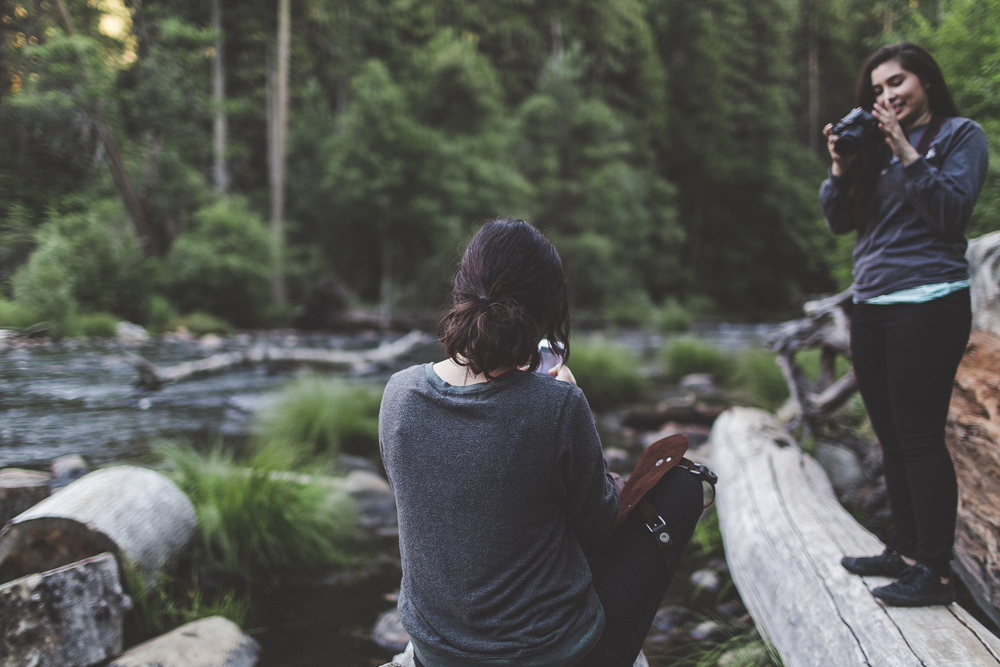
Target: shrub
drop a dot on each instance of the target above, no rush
(257, 524)
(201, 323)
(689, 355)
(673, 317)
(223, 265)
(45, 286)
(161, 312)
(319, 416)
(758, 378)
(97, 325)
(607, 373)
(16, 315)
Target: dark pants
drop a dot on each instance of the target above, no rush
(630, 577)
(905, 357)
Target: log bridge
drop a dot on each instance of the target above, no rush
(785, 533)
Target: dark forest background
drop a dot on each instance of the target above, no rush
(232, 158)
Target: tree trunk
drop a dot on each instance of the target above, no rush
(20, 490)
(279, 130)
(68, 617)
(137, 514)
(122, 182)
(219, 125)
(785, 533)
(813, 129)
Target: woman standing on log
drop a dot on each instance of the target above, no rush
(908, 193)
(501, 486)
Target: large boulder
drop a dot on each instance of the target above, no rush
(208, 642)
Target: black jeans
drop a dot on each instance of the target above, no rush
(630, 577)
(905, 357)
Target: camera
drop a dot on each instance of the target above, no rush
(854, 131)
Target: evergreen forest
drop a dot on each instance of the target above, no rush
(160, 158)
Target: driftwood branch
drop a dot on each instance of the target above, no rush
(826, 326)
(785, 534)
(151, 375)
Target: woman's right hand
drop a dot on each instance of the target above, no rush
(840, 164)
(562, 372)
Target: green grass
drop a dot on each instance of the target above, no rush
(257, 525)
(742, 649)
(689, 355)
(201, 323)
(319, 416)
(673, 317)
(97, 325)
(16, 315)
(607, 373)
(758, 380)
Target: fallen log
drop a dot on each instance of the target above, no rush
(137, 514)
(208, 642)
(20, 489)
(973, 437)
(151, 375)
(68, 617)
(785, 534)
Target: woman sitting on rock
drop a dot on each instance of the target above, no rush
(502, 490)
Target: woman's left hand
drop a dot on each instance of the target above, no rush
(562, 372)
(895, 137)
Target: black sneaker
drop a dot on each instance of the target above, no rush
(918, 586)
(886, 564)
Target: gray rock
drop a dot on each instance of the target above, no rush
(126, 332)
(209, 642)
(405, 659)
(67, 469)
(668, 618)
(71, 616)
(700, 383)
(707, 579)
(389, 632)
(707, 631)
(752, 654)
(618, 458)
(841, 465)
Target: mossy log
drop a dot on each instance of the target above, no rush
(973, 437)
(71, 616)
(137, 514)
(785, 534)
(20, 489)
(151, 375)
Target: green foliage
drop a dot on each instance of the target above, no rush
(15, 315)
(319, 416)
(97, 325)
(16, 242)
(743, 649)
(673, 317)
(607, 373)
(257, 522)
(200, 324)
(45, 285)
(758, 379)
(706, 542)
(689, 355)
(162, 313)
(223, 265)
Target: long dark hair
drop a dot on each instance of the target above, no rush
(510, 292)
(862, 176)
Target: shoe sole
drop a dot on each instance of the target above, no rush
(930, 601)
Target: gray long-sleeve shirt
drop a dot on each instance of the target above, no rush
(917, 236)
(499, 488)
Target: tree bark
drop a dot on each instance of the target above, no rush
(137, 514)
(279, 130)
(68, 617)
(785, 533)
(219, 124)
(20, 490)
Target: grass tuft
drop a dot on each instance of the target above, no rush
(97, 325)
(758, 379)
(317, 416)
(258, 523)
(689, 355)
(607, 373)
(16, 315)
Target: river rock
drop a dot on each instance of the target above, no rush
(707, 631)
(389, 632)
(841, 465)
(68, 617)
(208, 642)
(668, 618)
(700, 383)
(137, 514)
(21, 489)
(706, 579)
(67, 469)
(375, 502)
(126, 332)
